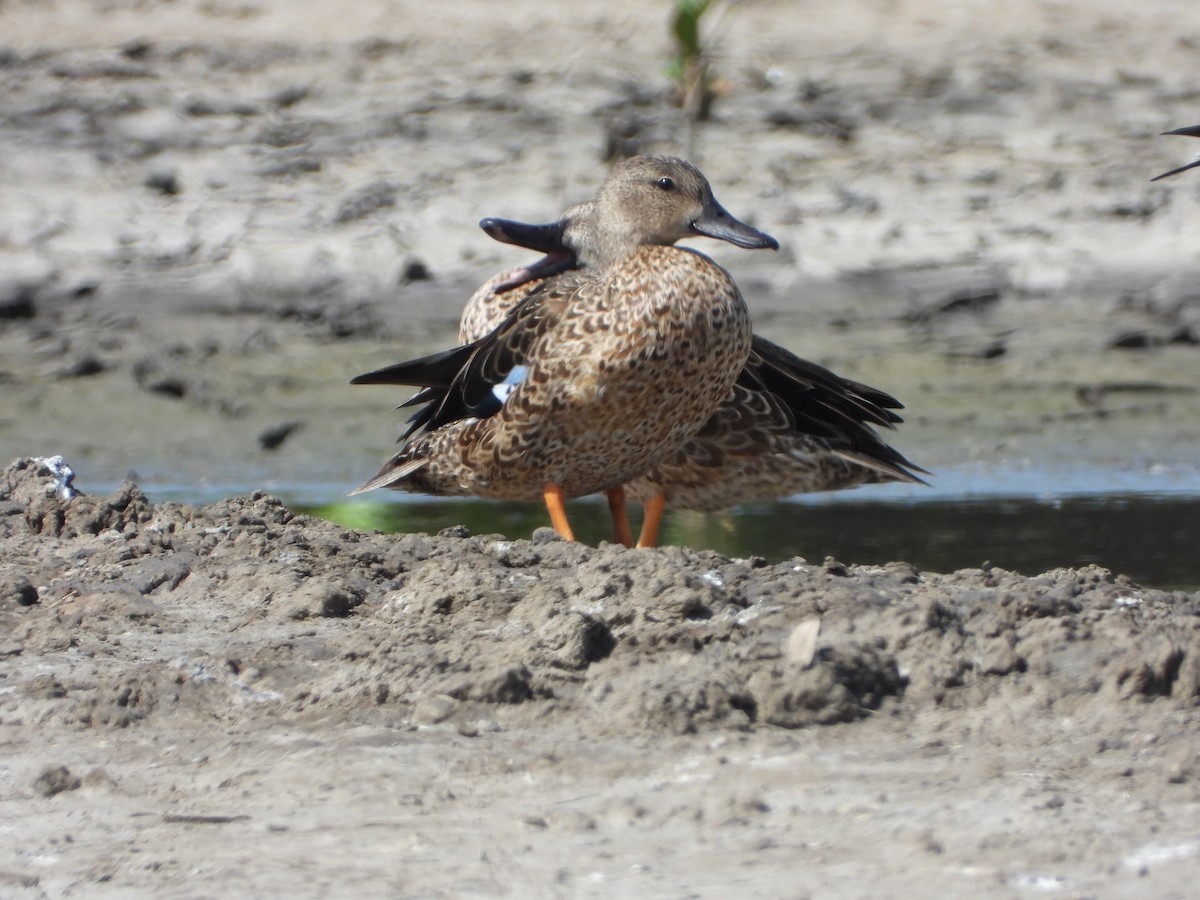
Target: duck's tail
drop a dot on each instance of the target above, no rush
(394, 471)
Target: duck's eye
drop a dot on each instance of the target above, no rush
(666, 184)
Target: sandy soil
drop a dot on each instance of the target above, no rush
(214, 213)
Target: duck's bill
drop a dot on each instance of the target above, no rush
(715, 222)
(1189, 131)
(542, 238)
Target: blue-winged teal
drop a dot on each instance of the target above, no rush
(787, 426)
(596, 374)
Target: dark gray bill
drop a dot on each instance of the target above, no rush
(715, 222)
(1189, 131)
(542, 238)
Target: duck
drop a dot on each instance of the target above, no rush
(787, 426)
(1189, 131)
(590, 375)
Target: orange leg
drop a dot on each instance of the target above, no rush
(616, 505)
(553, 496)
(652, 519)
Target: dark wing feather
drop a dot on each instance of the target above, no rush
(827, 406)
(422, 396)
(458, 383)
(496, 354)
(818, 395)
(435, 370)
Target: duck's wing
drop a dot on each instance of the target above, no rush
(434, 371)
(822, 404)
(434, 374)
(474, 380)
(1184, 168)
(494, 300)
(817, 394)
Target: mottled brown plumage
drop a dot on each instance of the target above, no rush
(592, 375)
(615, 375)
(787, 427)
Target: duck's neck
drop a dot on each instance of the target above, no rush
(601, 243)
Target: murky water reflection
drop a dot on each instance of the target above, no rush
(1152, 539)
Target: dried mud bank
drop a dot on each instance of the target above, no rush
(196, 701)
(425, 628)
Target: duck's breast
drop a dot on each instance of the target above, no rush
(644, 353)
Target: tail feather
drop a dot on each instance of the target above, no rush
(818, 395)
(897, 469)
(394, 470)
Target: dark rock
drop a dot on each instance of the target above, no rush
(274, 436)
(287, 133)
(826, 122)
(56, 780)
(352, 320)
(137, 49)
(18, 302)
(289, 96)
(415, 270)
(507, 684)
(969, 300)
(168, 386)
(288, 167)
(20, 591)
(165, 182)
(1133, 340)
(82, 367)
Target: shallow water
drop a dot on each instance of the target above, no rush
(1149, 537)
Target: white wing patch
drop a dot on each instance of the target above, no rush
(504, 388)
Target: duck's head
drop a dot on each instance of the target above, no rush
(661, 200)
(644, 200)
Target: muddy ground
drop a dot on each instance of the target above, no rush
(215, 213)
(232, 700)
